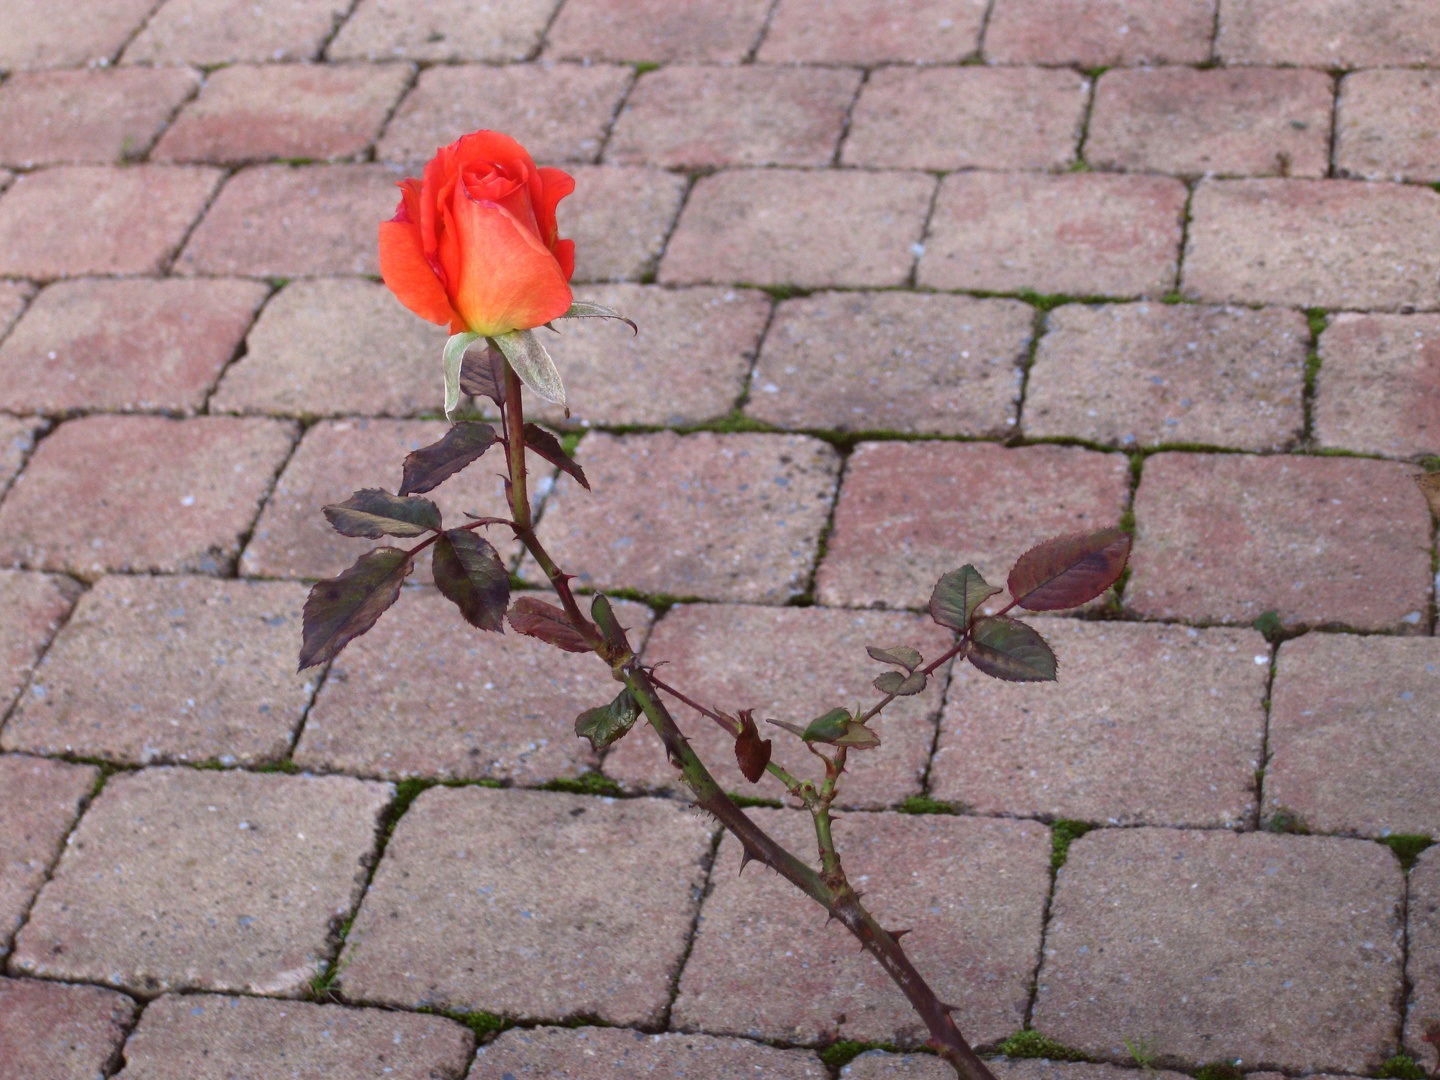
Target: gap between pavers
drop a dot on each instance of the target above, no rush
(1423, 968)
(35, 606)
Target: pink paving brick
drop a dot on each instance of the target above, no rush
(17, 439)
(1385, 126)
(532, 905)
(1176, 741)
(766, 965)
(284, 221)
(593, 1053)
(789, 664)
(41, 35)
(91, 220)
(425, 695)
(754, 114)
(619, 219)
(1378, 390)
(558, 112)
(1423, 969)
(1079, 233)
(1330, 243)
(1098, 33)
(94, 116)
(253, 112)
(442, 30)
(61, 1032)
(1225, 121)
(141, 494)
(910, 512)
(1275, 949)
(125, 344)
(35, 606)
(39, 802)
(870, 31)
(878, 1065)
(796, 227)
(1329, 33)
(657, 31)
(957, 118)
(1320, 541)
(14, 296)
(211, 32)
(1349, 737)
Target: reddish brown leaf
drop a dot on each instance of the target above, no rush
(549, 448)
(751, 751)
(469, 574)
(482, 373)
(340, 609)
(1069, 570)
(538, 619)
(428, 467)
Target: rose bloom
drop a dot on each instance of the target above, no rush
(475, 244)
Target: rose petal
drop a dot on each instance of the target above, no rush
(405, 270)
(508, 279)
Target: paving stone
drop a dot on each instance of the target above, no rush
(284, 221)
(1282, 950)
(17, 439)
(893, 361)
(910, 512)
(1100, 33)
(442, 30)
(212, 32)
(619, 219)
(87, 219)
(94, 116)
(249, 112)
(1149, 374)
(688, 363)
(958, 118)
(36, 605)
(797, 227)
(1175, 741)
(200, 1037)
(706, 116)
(1423, 969)
(766, 965)
(1320, 541)
(125, 344)
(721, 516)
(558, 112)
(530, 904)
(1081, 233)
(1378, 390)
(61, 1032)
(790, 664)
(39, 34)
(657, 31)
(1331, 33)
(186, 879)
(14, 295)
(1385, 126)
(870, 31)
(878, 1065)
(39, 801)
(82, 507)
(335, 346)
(170, 669)
(1349, 734)
(425, 695)
(1227, 121)
(593, 1053)
(1309, 243)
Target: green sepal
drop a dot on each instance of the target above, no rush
(453, 356)
(528, 358)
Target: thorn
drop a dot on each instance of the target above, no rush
(745, 859)
(898, 934)
(949, 1008)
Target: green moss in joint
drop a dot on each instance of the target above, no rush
(570, 440)
(924, 804)
(1219, 1070)
(645, 66)
(590, 783)
(753, 800)
(839, 1054)
(1407, 848)
(1286, 821)
(1401, 1067)
(1062, 834)
(485, 1025)
(1031, 1044)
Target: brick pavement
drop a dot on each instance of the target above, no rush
(932, 279)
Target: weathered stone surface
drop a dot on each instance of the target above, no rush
(878, 1065)
(14, 295)
(790, 664)
(205, 1037)
(1385, 127)
(719, 516)
(96, 116)
(530, 904)
(61, 1032)
(1081, 233)
(870, 31)
(619, 219)
(1271, 949)
(212, 32)
(125, 344)
(39, 801)
(591, 1053)
(766, 965)
(170, 669)
(17, 439)
(88, 219)
(657, 31)
(910, 512)
(425, 695)
(1149, 374)
(1100, 33)
(1226, 121)
(190, 879)
(1313, 243)
(1320, 541)
(1329, 33)
(1378, 390)
(39, 34)
(1423, 969)
(442, 30)
(141, 494)
(1350, 734)
(251, 112)
(893, 361)
(797, 227)
(957, 118)
(35, 606)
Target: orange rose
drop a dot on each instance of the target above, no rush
(474, 244)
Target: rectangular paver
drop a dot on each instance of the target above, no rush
(1329, 33)
(1423, 969)
(1096, 33)
(619, 218)
(871, 31)
(40, 35)
(657, 31)
(1378, 389)
(59, 1031)
(442, 30)
(35, 605)
(879, 1065)
(593, 1053)
(212, 32)
(39, 802)
(1385, 126)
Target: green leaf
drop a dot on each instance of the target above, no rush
(829, 727)
(901, 656)
(482, 373)
(957, 595)
(340, 609)
(1069, 570)
(537, 619)
(532, 363)
(892, 682)
(609, 723)
(1008, 649)
(858, 737)
(453, 356)
(604, 616)
(373, 513)
(470, 575)
(430, 466)
(549, 448)
(586, 309)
